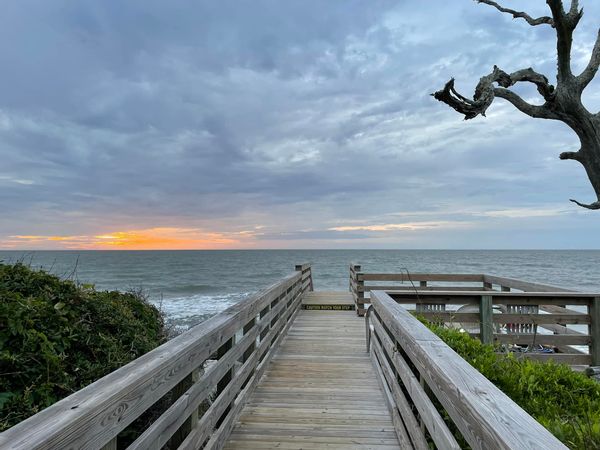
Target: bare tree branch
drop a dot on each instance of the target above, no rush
(565, 25)
(574, 7)
(571, 155)
(520, 15)
(485, 93)
(538, 112)
(562, 103)
(595, 205)
(590, 71)
(545, 89)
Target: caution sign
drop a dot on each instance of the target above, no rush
(329, 307)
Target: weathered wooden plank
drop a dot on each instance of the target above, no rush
(218, 439)
(594, 311)
(416, 288)
(437, 428)
(486, 417)
(420, 289)
(486, 326)
(110, 445)
(288, 444)
(320, 382)
(205, 425)
(522, 285)
(417, 438)
(450, 277)
(499, 298)
(160, 430)
(399, 426)
(537, 319)
(543, 339)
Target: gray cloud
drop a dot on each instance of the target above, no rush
(298, 115)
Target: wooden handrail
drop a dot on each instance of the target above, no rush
(520, 297)
(242, 339)
(404, 349)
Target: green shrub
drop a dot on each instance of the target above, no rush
(57, 337)
(567, 403)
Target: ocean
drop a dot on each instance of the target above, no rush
(191, 286)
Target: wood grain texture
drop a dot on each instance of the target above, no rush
(430, 417)
(594, 310)
(486, 417)
(320, 391)
(238, 388)
(486, 327)
(93, 416)
(399, 403)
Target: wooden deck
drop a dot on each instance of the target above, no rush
(288, 368)
(320, 390)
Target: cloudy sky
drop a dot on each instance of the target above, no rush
(280, 124)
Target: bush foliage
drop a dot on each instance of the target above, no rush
(567, 403)
(56, 337)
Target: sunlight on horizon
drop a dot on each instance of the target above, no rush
(143, 239)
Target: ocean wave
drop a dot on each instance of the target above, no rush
(189, 310)
(191, 289)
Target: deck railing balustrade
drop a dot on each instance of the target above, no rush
(239, 342)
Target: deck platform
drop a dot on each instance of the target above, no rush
(290, 368)
(320, 390)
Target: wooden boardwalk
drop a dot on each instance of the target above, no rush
(292, 372)
(320, 390)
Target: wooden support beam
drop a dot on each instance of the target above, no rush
(486, 324)
(594, 311)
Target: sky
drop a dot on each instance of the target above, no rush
(280, 124)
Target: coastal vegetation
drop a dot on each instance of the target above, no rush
(567, 403)
(57, 336)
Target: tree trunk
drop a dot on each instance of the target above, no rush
(587, 128)
(562, 103)
(591, 162)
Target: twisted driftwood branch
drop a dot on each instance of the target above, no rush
(562, 102)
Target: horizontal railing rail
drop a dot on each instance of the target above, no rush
(497, 310)
(361, 283)
(201, 400)
(487, 315)
(424, 380)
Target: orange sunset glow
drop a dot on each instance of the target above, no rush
(168, 238)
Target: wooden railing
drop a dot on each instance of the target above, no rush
(409, 281)
(204, 399)
(497, 310)
(419, 374)
(488, 319)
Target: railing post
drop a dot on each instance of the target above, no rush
(486, 325)
(247, 328)
(357, 293)
(110, 445)
(302, 268)
(594, 312)
(180, 389)
(368, 329)
(226, 379)
(357, 286)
